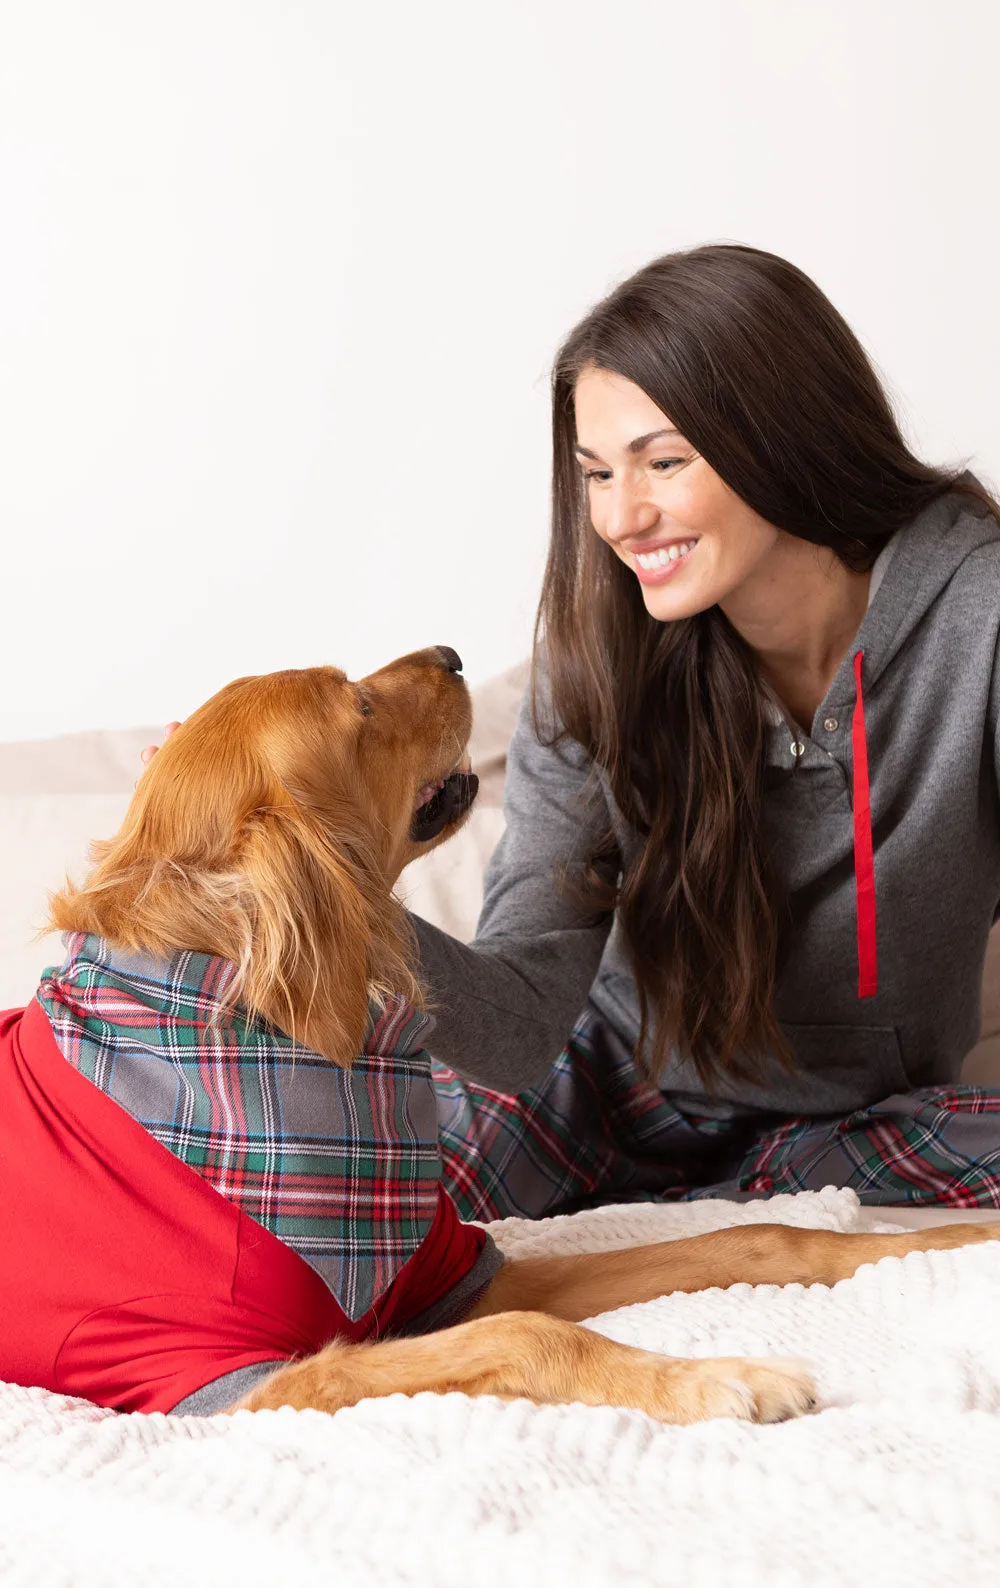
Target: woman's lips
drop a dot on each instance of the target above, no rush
(666, 571)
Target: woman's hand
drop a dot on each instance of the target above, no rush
(146, 755)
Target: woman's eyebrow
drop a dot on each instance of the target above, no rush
(636, 445)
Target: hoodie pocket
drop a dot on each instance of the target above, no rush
(841, 1067)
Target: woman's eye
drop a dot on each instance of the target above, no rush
(659, 464)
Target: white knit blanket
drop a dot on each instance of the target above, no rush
(895, 1479)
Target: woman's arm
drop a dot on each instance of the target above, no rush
(505, 1003)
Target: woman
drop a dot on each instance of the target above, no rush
(732, 940)
(773, 764)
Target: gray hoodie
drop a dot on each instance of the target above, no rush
(505, 1003)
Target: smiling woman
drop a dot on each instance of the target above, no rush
(745, 778)
(635, 505)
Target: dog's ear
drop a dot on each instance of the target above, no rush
(301, 909)
(324, 936)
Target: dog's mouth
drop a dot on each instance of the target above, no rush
(442, 802)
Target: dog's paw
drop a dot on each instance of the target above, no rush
(754, 1389)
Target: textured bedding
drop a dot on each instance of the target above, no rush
(895, 1478)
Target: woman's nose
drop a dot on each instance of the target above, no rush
(629, 512)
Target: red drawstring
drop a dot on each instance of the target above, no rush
(864, 864)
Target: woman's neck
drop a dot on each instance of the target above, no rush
(800, 619)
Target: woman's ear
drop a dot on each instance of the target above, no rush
(324, 937)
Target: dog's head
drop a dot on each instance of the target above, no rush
(270, 829)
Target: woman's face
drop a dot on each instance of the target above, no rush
(653, 499)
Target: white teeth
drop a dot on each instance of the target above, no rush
(659, 559)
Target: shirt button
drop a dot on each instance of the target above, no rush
(830, 724)
(797, 747)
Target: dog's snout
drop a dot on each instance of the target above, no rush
(449, 658)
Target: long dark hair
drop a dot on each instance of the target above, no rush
(770, 385)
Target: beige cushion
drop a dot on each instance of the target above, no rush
(42, 838)
(57, 795)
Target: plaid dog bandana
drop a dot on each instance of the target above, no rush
(342, 1165)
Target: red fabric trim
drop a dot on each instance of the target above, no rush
(128, 1279)
(864, 860)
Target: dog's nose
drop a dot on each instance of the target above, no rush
(449, 658)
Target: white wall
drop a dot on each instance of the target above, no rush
(280, 284)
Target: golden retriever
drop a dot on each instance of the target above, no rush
(270, 829)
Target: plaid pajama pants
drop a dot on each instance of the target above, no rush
(596, 1132)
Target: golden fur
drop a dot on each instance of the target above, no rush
(270, 829)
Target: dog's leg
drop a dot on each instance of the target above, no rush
(543, 1359)
(749, 1254)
